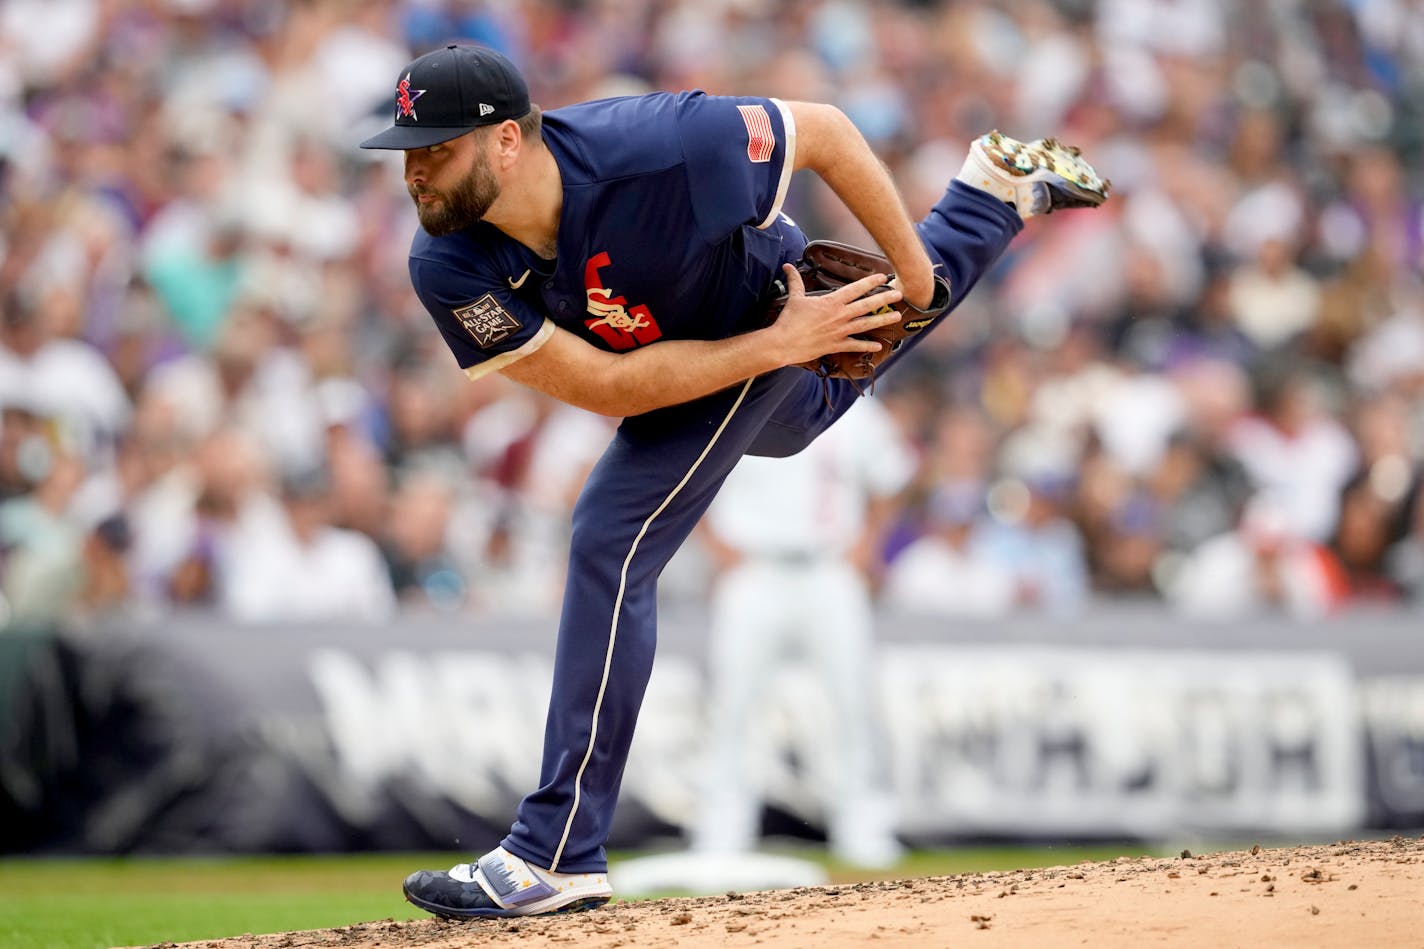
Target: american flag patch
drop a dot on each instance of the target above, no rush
(761, 141)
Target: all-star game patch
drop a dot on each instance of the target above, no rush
(487, 322)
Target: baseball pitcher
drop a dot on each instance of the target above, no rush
(623, 255)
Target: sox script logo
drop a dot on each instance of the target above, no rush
(405, 99)
(619, 325)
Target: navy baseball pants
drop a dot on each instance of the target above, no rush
(641, 502)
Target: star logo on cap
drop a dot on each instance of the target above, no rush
(405, 99)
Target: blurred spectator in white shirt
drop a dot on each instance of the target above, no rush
(942, 573)
(284, 562)
(57, 376)
(1273, 300)
(1295, 451)
(1259, 568)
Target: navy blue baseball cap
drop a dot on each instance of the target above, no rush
(446, 93)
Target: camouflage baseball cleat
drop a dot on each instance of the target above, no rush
(1037, 177)
(501, 884)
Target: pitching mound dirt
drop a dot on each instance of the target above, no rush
(1345, 894)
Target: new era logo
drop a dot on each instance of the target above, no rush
(485, 109)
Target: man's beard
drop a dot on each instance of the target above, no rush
(467, 203)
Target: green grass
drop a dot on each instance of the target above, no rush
(99, 903)
(90, 904)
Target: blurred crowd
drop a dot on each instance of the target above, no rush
(219, 392)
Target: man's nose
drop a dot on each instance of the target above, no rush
(414, 168)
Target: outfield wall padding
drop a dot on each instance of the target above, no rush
(193, 735)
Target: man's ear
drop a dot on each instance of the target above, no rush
(509, 142)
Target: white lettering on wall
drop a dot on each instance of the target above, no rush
(991, 739)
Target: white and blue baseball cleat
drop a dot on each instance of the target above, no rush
(1036, 177)
(500, 884)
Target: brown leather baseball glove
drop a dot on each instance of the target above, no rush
(830, 265)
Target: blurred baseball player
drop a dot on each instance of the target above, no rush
(619, 255)
(799, 537)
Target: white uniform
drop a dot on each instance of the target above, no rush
(792, 520)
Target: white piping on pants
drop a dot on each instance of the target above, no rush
(618, 609)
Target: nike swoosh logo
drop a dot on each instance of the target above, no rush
(516, 284)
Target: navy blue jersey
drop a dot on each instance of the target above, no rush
(670, 229)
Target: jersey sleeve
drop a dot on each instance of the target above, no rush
(486, 326)
(739, 153)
